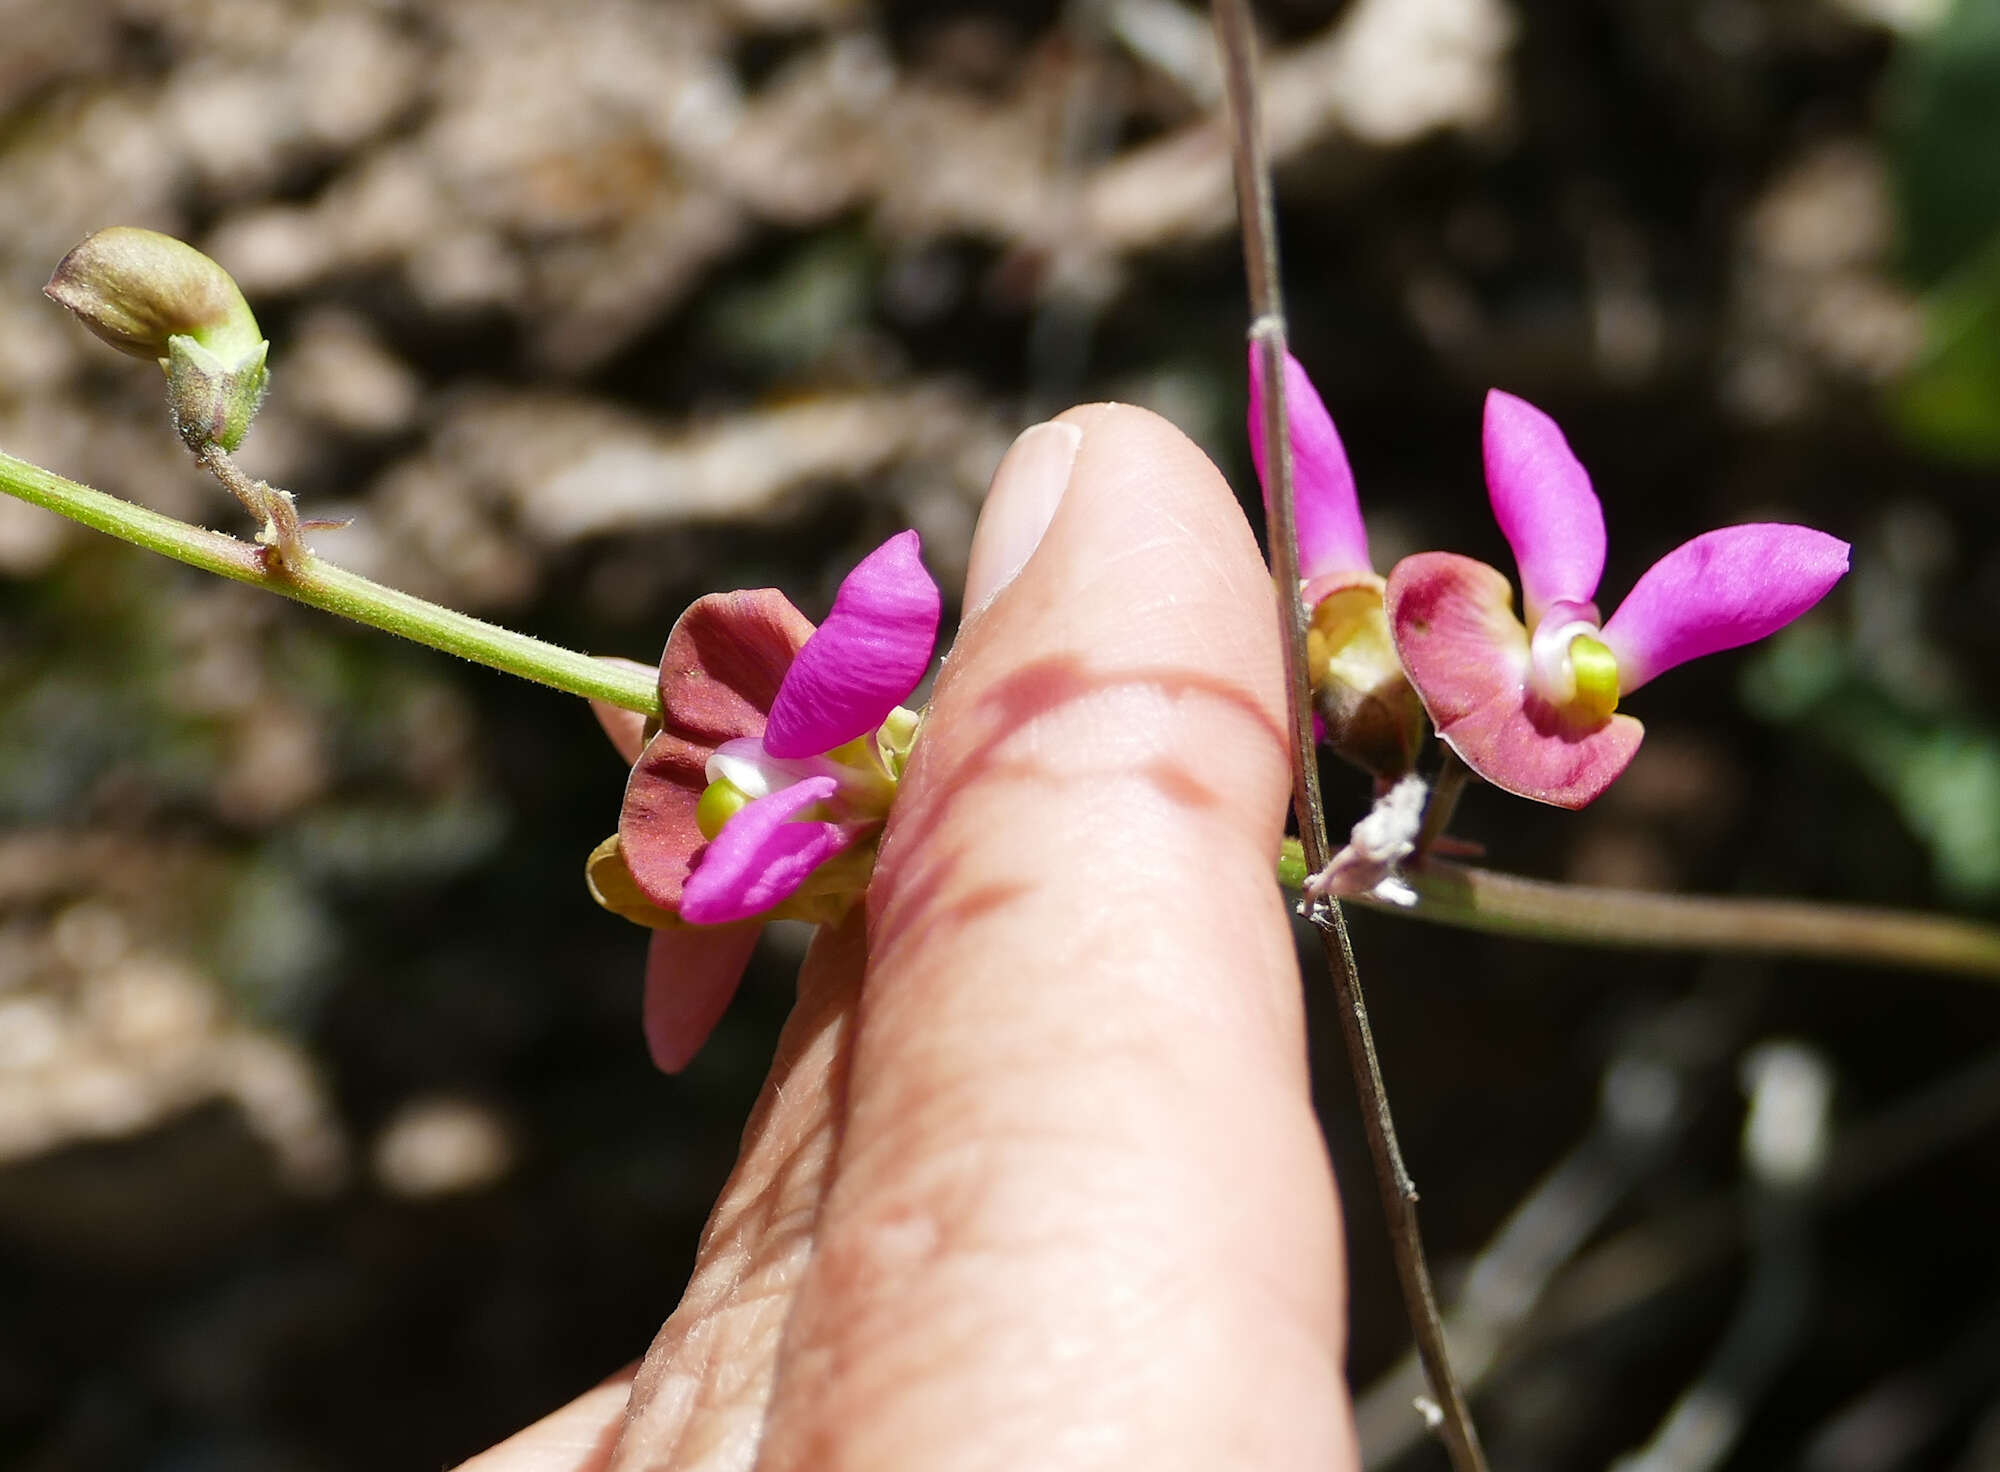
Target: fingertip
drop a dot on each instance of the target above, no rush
(1021, 502)
(1148, 573)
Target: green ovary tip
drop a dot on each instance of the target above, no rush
(1596, 670)
(721, 801)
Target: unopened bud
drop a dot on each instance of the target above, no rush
(153, 296)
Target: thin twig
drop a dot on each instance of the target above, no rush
(1237, 39)
(1582, 914)
(1642, 1112)
(1470, 898)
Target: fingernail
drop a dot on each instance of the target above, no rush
(1020, 504)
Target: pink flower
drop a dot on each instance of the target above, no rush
(1534, 712)
(764, 790)
(1366, 709)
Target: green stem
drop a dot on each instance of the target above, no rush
(327, 587)
(1581, 914)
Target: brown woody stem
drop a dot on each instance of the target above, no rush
(1237, 39)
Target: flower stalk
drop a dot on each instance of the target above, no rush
(319, 584)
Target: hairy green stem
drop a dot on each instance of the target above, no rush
(324, 586)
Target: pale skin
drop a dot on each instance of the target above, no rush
(1035, 1179)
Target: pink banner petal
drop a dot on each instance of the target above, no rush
(1467, 657)
(1543, 501)
(1332, 538)
(865, 659)
(761, 855)
(1722, 589)
(725, 662)
(691, 973)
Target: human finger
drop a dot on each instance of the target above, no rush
(1081, 1212)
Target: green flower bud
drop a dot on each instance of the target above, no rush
(136, 289)
(152, 296)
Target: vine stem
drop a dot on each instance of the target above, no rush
(320, 584)
(1236, 36)
(1538, 909)
(1470, 898)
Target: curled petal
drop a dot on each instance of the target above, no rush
(1332, 538)
(761, 855)
(1467, 656)
(869, 654)
(1722, 589)
(656, 826)
(1551, 668)
(1543, 501)
(752, 771)
(691, 973)
(725, 662)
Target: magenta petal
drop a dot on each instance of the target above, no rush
(1467, 657)
(725, 662)
(761, 856)
(1331, 535)
(1724, 588)
(869, 654)
(1543, 501)
(690, 976)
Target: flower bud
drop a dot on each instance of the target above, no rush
(152, 296)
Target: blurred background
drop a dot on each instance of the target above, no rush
(327, 1136)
